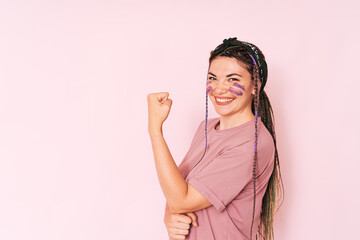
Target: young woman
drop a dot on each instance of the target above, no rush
(229, 182)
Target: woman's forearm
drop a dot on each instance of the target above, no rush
(171, 181)
(166, 214)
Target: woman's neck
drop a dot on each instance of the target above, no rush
(234, 121)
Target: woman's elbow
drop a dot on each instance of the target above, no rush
(177, 208)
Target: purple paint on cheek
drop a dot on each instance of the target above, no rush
(239, 93)
(209, 89)
(208, 82)
(239, 86)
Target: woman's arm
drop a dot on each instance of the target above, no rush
(181, 197)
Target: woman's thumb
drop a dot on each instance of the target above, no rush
(193, 218)
(168, 102)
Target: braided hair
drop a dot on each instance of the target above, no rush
(255, 63)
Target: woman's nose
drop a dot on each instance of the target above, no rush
(221, 87)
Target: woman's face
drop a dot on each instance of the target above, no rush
(229, 86)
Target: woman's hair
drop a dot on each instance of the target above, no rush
(255, 63)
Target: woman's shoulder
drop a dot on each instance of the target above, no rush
(210, 120)
(265, 133)
(266, 140)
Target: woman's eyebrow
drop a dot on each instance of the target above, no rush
(229, 75)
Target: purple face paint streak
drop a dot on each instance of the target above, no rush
(239, 86)
(208, 82)
(209, 89)
(239, 93)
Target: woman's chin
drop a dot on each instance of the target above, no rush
(223, 113)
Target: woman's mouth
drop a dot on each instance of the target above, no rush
(223, 101)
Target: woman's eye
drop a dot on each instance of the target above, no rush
(212, 78)
(234, 79)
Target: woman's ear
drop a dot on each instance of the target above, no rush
(253, 91)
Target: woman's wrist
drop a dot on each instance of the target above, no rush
(166, 215)
(155, 131)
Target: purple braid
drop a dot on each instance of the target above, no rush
(206, 119)
(256, 76)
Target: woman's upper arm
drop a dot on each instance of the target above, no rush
(193, 201)
(220, 181)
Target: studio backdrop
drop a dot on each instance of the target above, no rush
(75, 157)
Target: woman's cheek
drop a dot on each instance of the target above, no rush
(237, 89)
(237, 85)
(208, 87)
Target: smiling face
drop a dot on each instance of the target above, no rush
(230, 88)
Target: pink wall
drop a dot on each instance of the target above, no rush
(75, 158)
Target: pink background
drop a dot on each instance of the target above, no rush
(75, 158)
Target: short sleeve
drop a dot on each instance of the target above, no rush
(224, 178)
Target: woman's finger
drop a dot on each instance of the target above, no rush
(178, 231)
(193, 218)
(181, 218)
(161, 96)
(168, 102)
(177, 237)
(179, 225)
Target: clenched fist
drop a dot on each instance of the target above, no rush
(159, 105)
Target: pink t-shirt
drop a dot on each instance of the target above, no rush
(224, 177)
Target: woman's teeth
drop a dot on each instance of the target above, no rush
(224, 100)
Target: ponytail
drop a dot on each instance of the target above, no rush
(275, 189)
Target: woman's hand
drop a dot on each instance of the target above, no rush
(178, 225)
(159, 105)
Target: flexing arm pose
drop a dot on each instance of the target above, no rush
(181, 197)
